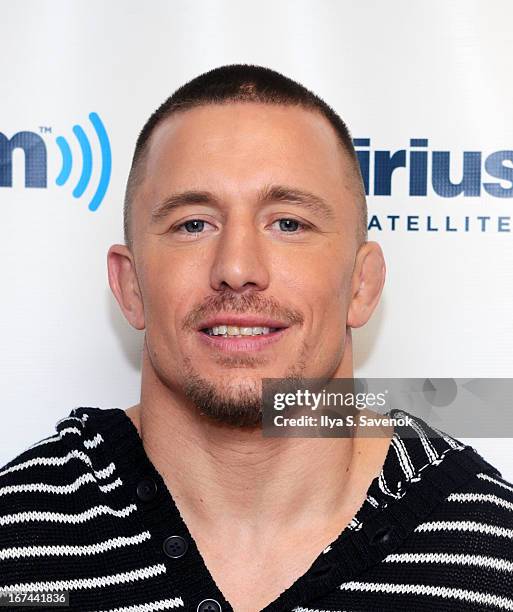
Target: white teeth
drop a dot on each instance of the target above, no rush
(234, 330)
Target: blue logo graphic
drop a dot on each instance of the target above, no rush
(87, 161)
(422, 169)
(34, 148)
(444, 174)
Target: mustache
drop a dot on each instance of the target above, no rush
(250, 304)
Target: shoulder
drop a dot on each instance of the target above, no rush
(464, 547)
(479, 511)
(61, 489)
(458, 553)
(63, 451)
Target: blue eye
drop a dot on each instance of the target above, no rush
(290, 226)
(197, 226)
(192, 224)
(285, 224)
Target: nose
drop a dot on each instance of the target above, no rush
(239, 258)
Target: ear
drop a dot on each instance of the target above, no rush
(366, 283)
(124, 285)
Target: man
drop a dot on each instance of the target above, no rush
(246, 257)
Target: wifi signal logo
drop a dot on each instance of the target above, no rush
(87, 161)
(35, 150)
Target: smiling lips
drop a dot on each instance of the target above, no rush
(235, 331)
(250, 334)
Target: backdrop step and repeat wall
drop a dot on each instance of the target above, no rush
(424, 87)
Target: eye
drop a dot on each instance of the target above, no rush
(290, 226)
(192, 226)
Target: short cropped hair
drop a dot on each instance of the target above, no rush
(238, 83)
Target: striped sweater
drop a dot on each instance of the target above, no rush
(85, 511)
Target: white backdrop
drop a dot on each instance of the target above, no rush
(434, 69)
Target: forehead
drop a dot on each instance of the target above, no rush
(241, 140)
(234, 151)
(245, 121)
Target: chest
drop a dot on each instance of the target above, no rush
(252, 576)
(250, 588)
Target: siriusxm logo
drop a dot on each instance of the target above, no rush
(416, 161)
(35, 150)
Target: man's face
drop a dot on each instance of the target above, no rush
(236, 246)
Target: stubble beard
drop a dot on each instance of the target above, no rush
(237, 405)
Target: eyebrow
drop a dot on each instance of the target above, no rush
(270, 193)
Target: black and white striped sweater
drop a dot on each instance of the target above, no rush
(85, 511)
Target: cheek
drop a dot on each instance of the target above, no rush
(325, 280)
(320, 292)
(166, 288)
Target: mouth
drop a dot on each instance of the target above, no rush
(241, 338)
(236, 331)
